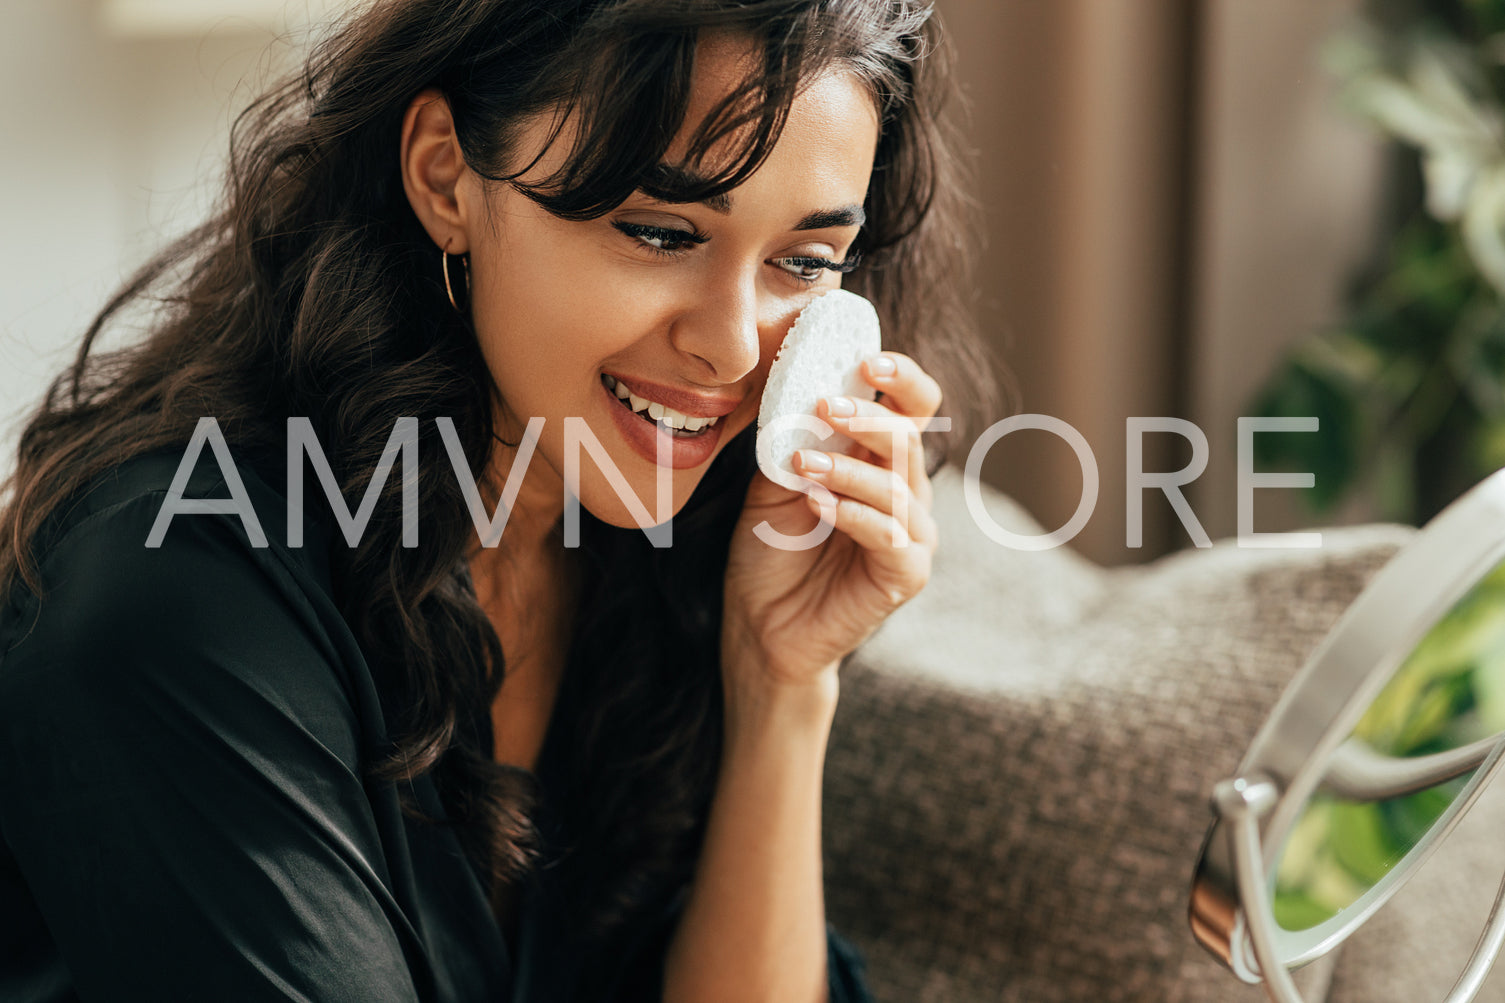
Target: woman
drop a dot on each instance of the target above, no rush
(251, 761)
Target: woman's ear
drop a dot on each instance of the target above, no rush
(433, 169)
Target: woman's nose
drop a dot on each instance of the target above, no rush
(721, 330)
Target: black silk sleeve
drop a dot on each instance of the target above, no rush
(845, 968)
(642, 978)
(179, 776)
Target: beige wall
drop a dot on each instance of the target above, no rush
(115, 131)
(1287, 194)
(1170, 199)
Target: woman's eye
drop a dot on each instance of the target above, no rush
(805, 269)
(661, 238)
(808, 270)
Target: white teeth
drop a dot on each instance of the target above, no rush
(657, 411)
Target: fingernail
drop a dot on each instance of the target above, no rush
(882, 365)
(840, 407)
(814, 461)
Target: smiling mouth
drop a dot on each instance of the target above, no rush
(681, 426)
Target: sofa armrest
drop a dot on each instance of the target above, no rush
(1018, 776)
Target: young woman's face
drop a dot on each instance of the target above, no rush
(683, 304)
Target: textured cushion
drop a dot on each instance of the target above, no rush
(1018, 775)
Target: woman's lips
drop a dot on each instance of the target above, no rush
(643, 435)
(690, 404)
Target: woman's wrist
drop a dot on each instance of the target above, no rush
(755, 699)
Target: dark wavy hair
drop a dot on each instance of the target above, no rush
(314, 291)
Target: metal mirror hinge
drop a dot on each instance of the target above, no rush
(1234, 799)
(1244, 802)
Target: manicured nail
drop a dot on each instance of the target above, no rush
(882, 366)
(814, 461)
(840, 407)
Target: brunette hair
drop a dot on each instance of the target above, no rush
(315, 292)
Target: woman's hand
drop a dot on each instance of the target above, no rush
(791, 615)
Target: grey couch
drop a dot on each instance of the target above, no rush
(1018, 776)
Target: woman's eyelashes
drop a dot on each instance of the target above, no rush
(663, 239)
(671, 242)
(809, 269)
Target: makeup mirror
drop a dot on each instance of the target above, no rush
(1373, 753)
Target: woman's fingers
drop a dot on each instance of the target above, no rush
(896, 515)
(906, 388)
(899, 572)
(891, 438)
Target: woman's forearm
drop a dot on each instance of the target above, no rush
(754, 926)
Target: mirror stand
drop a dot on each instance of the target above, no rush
(1242, 803)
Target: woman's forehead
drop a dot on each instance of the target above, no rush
(832, 111)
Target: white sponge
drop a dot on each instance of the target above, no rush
(819, 358)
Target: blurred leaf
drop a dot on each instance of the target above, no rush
(1410, 391)
(1424, 705)
(1431, 279)
(1395, 478)
(1297, 910)
(1489, 673)
(1331, 454)
(1363, 843)
(1477, 359)
(1488, 17)
(1305, 852)
(1433, 714)
(1488, 446)
(1410, 818)
(1483, 220)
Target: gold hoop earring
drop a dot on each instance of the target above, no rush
(448, 289)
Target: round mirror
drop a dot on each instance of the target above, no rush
(1372, 754)
(1403, 768)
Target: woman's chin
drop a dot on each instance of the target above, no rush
(646, 514)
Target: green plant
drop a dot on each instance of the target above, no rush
(1410, 391)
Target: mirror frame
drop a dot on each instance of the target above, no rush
(1293, 751)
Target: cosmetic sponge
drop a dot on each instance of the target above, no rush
(819, 358)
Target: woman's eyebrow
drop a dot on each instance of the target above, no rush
(847, 215)
(667, 176)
